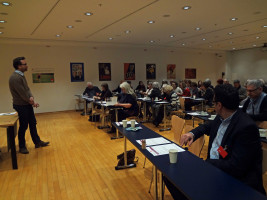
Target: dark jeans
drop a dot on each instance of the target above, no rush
(176, 194)
(26, 117)
(122, 114)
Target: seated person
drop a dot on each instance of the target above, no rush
(149, 89)
(91, 90)
(118, 89)
(194, 90)
(105, 93)
(234, 131)
(148, 104)
(207, 93)
(177, 89)
(186, 93)
(140, 89)
(170, 96)
(126, 100)
(219, 81)
(241, 90)
(256, 104)
(156, 93)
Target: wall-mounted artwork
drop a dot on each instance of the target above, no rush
(150, 71)
(129, 71)
(104, 71)
(171, 71)
(190, 73)
(43, 75)
(77, 72)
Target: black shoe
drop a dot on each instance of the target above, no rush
(23, 150)
(41, 144)
(155, 123)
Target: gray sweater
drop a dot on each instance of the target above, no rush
(19, 89)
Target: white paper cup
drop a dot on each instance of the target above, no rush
(156, 98)
(124, 123)
(213, 116)
(132, 123)
(173, 153)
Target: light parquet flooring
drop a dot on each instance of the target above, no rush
(78, 164)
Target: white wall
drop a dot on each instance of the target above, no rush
(59, 96)
(247, 64)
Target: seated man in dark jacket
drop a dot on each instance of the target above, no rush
(91, 90)
(235, 132)
(256, 104)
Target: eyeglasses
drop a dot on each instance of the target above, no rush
(252, 90)
(24, 64)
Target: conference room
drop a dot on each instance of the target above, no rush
(122, 99)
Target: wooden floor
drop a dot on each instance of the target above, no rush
(79, 164)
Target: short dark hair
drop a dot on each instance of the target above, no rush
(206, 84)
(105, 86)
(236, 81)
(16, 62)
(220, 81)
(227, 95)
(193, 84)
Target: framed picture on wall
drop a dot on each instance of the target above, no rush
(190, 73)
(104, 71)
(129, 71)
(150, 71)
(171, 71)
(77, 72)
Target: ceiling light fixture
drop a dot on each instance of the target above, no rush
(183, 44)
(2, 21)
(110, 38)
(234, 48)
(1, 33)
(152, 41)
(88, 14)
(172, 36)
(6, 3)
(264, 26)
(210, 46)
(203, 39)
(230, 33)
(233, 19)
(254, 45)
(258, 37)
(197, 29)
(127, 31)
(151, 22)
(58, 35)
(70, 26)
(186, 7)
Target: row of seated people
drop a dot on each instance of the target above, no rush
(255, 104)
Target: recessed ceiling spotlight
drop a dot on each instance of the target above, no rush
(186, 7)
(230, 33)
(254, 45)
(88, 14)
(2, 21)
(233, 48)
(58, 35)
(233, 19)
(172, 36)
(264, 26)
(151, 22)
(127, 31)
(203, 39)
(258, 37)
(210, 46)
(70, 26)
(6, 3)
(197, 29)
(110, 38)
(1, 32)
(152, 41)
(183, 44)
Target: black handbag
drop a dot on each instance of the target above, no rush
(130, 158)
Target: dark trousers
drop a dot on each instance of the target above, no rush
(26, 117)
(122, 114)
(176, 194)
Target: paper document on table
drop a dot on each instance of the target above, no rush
(154, 141)
(163, 149)
(128, 122)
(193, 114)
(3, 114)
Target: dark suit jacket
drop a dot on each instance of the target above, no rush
(263, 110)
(244, 159)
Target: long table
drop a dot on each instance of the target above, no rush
(194, 177)
(10, 122)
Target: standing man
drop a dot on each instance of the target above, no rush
(23, 103)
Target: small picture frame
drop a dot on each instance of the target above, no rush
(150, 71)
(77, 72)
(104, 71)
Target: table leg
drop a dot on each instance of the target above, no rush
(161, 187)
(155, 181)
(85, 106)
(117, 131)
(102, 118)
(11, 137)
(144, 117)
(165, 125)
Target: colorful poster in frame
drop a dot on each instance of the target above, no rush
(190, 73)
(43, 75)
(104, 71)
(171, 71)
(77, 72)
(150, 71)
(129, 71)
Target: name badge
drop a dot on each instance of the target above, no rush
(222, 152)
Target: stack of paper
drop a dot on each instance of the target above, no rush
(154, 141)
(128, 122)
(163, 149)
(3, 114)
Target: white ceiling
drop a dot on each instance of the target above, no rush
(44, 19)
